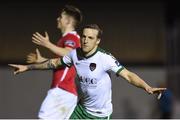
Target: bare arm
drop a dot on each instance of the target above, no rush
(49, 64)
(138, 82)
(45, 42)
(58, 50)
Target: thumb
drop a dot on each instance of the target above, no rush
(46, 34)
(16, 72)
(37, 52)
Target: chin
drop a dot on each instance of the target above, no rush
(85, 50)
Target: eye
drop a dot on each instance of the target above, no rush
(90, 37)
(83, 36)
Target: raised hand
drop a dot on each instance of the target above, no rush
(35, 57)
(38, 39)
(18, 68)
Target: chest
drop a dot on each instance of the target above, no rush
(89, 68)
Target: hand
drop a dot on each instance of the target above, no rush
(41, 40)
(155, 90)
(19, 68)
(35, 57)
(151, 90)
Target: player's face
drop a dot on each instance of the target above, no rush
(89, 40)
(62, 21)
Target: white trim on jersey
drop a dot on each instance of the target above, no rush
(64, 73)
(63, 76)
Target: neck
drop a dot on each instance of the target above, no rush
(68, 29)
(91, 52)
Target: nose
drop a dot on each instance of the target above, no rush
(85, 41)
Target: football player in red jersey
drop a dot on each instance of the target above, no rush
(62, 97)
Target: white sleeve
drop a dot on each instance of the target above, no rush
(111, 63)
(67, 59)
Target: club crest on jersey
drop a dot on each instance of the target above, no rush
(92, 66)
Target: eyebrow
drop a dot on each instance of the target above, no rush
(87, 36)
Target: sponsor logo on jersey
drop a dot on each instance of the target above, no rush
(92, 66)
(88, 82)
(70, 43)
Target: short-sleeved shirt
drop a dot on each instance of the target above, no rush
(64, 77)
(94, 79)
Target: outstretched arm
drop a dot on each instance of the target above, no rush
(138, 82)
(45, 42)
(49, 64)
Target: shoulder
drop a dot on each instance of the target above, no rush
(105, 53)
(74, 51)
(72, 40)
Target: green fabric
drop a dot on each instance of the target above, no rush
(80, 53)
(64, 64)
(80, 113)
(119, 70)
(104, 51)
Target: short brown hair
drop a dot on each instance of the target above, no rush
(96, 27)
(74, 12)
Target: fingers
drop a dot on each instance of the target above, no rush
(16, 72)
(31, 55)
(13, 65)
(31, 58)
(150, 91)
(36, 41)
(38, 36)
(155, 90)
(158, 89)
(30, 61)
(16, 68)
(161, 89)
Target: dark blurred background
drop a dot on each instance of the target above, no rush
(142, 35)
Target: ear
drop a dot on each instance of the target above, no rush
(98, 41)
(69, 20)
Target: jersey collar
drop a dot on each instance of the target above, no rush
(81, 55)
(71, 32)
